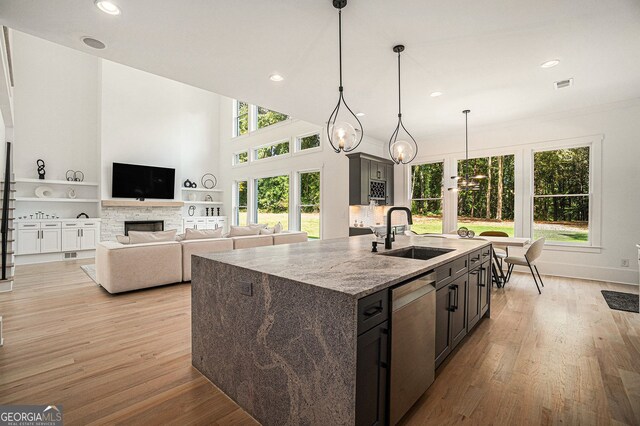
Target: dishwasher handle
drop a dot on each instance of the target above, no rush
(411, 291)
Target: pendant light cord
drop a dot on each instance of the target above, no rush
(340, 43)
(399, 98)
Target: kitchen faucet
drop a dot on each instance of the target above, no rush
(387, 240)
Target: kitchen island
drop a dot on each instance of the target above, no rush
(281, 329)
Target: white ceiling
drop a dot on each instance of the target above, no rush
(483, 54)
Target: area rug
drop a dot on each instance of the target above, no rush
(91, 271)
(621, 301)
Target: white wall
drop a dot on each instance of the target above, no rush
(334, 167)
(151, 120)
(620, 230)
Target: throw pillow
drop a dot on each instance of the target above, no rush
(266, 231)
(122, 239)
(258, 225)
(141, 237)
(201, 234)
(243, 231)
(278, 228)
(180, 237)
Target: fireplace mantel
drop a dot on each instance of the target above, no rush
(136, 203)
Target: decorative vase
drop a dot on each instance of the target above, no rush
(71, 193)
(44, 192)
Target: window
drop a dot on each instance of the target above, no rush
(240, 211)
(426, 197)
(266, 117)
(240, 157)
(309, 203)
(561, 195)
(241, 118)
(492, 207)
(273, 150)
(272, 200)
(308, 142)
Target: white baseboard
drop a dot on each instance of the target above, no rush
(598, 273)
(30, 259)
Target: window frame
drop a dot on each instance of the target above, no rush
(254, 195)
(298, 195)
(298, 139)
(235, 157)
(235, 131)
(256, 114)
(254, 151)
(235, 220)
(594, 225)
(442, 197)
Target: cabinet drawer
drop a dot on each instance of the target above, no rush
(448, 272)
(475, 259)
(29, 225)
(486, 253)
(372, 310)
(49, 225)
(74, 224)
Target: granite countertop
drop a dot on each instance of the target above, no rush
(345, 265)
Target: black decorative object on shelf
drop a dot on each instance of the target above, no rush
(82, 215)
(218, 212)
(188, 184)
(342, 135)
(207, 209)
(208, 181)
(41, 171)
(69, 175)
(192, 210)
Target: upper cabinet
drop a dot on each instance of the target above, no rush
(370, 178)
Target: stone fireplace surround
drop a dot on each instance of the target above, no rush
(113, 219)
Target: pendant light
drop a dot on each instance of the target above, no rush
(466, 182)
(342, 135)
(402, 146)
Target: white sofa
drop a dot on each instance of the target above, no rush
(126, 267)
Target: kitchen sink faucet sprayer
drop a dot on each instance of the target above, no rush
(388, 240)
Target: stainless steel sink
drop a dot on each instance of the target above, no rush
(421, 253)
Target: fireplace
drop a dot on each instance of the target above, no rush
(143, 225)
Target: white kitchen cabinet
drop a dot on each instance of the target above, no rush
(50, 241)
(70, 239)
(28, 241)
(80, 235)
(88, 238)
(51, 236)
(211, 222)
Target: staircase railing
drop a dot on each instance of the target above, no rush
(6, 195)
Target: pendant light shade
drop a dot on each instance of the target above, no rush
(464, 182)
(402, 146)
(344, 130)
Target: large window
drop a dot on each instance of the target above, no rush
(240, 212)
(491, 208)
(309, 203)
(241, 118)
(266, 117)
(272, 200)
(273, 150)
(561, 195)
(426, 197)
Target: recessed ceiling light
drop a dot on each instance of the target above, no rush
(360, 114)
(108, 7)
(435, 94)
(276, 77)
(550, 64)
(92, 42)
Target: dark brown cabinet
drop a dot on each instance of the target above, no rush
(485, 287)
(451, 316)
(473, 306)
(443, 307)
(370, 178)
(459, 313)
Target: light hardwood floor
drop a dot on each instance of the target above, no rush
(562, 357)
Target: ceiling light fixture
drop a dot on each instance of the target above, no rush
(276, 77)
(342, 135)
(93, 43)
(435, 94)
(466, 182)
(402, 147)
(108, 7)
(550, 64)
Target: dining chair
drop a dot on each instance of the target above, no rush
(529, 259)
(500, 251)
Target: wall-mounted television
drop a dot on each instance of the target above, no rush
(136, 181)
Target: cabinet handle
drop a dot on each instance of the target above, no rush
(374, 310)
(457, 294)
(473, 272)
(480, 281)
(383, 364)
(452, 306)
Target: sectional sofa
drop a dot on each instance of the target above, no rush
(126, 267)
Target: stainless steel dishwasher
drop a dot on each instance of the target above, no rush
(413, 329)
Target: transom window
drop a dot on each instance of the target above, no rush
(272, 150)
(267, 117)
(562, 195)
(240, 157)
(426, 197)
(308, 141)
(241, 118)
